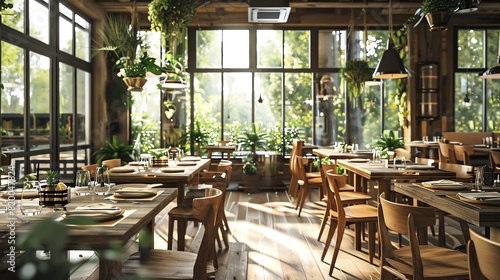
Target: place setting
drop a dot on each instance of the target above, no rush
(101, 214)
(134, 191)
(444, 185)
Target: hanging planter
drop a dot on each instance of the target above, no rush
(135, 83)
(356, 73)
(438, 21)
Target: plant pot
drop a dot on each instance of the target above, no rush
(438, 21)
(53, 198)
(135, 83)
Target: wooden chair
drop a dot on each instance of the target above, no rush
(483, 257)
(464, 173)
(495, 159)
(183, 213)
(90, 168)
(168, 264)
(341, 215)
(418, 260)
(297, 151)
(447, 153)
(305, 183)
(463, 153)
(425, 161)
(112, 163)
(402, 152)
(347, 195)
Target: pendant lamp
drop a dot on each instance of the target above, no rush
(390, 65)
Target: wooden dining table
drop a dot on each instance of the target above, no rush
(335, 154)
(177, 176)
(477, 214)
(360, 173)
(139, 216)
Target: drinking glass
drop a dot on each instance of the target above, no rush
(30, 202)
(400, 162)
(101, 182)
(82, 183)
(479, 180)
(376, 155)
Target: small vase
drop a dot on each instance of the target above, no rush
(438, 20)
(135, 83)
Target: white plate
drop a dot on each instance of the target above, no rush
(487, 198)
(444, 185)
(359, 160)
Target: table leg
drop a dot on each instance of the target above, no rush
(109, 269)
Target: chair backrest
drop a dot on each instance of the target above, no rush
(324, 180)
(91, 168)
(205, 210)
(462, 153)
(447, 153)
(335, 182)
(482, 257)
(299, 170)
(406, 220)
(463, 172)
(402, 152)
(296, 151)
(494, 159)
(112, 163)
(227, 167)
(425, 161)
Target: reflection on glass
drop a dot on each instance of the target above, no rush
(39, 21)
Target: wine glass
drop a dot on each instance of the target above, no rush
(101, 182)
(30, 202)
(82, 183)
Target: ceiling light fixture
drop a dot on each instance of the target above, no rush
(390, 65)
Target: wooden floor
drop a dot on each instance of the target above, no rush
(269, 241)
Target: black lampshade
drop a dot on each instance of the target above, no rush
(390, 65)
(492, 73)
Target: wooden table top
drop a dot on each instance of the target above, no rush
(446, 200)
(218, 148)
(377, 171)
(334, 154)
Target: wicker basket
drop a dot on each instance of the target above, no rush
(53, 198)
(156, 162)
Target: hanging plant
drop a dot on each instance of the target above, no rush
(356, 73)
(5, 6)
(171, 18)
(170, 109)
(403, 112)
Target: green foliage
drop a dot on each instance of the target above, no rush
(119, 37)
(389, 142)
(158, 152)
(250, 168)
(356, 73)
(138, 67)
(5, 6)
(253, 139)
(327, 161)
(171, 17)
(114, 149)
(199, 135)
(439, 5)
(52, 178)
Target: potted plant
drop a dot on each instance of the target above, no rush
(437, 13)
(251, 180)
(252, 139)
(171, 17)
(388, 143)
(199, 136)
(114, 149)
(160, 157)
(55, 193)
(356, 73)
(134, 71)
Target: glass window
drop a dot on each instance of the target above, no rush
(208, 104)
(82, 41)
(39, 21)
(237, 99)
(66, 90)
(235, 49)
(208, 51)
(16, 20)
(12, 104)
(298, 104)
(297, 49)
(269, 49)
(331, 48)
(65, 35)
(468, 115)
(83, 109)
(39, 94)
(330, 112)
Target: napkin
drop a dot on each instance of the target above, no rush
(131, 192)
(171, 170)
(18, 192)
(443, 183)
(95, 210)
(122, 169)
(190, 158)
(481, 196)
(186, 163)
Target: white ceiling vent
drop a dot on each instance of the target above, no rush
(264, 12)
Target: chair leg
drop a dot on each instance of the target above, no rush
(181, 234)
(324, 221)
(371, 241)
(170, 235)
(441, 234)
(336, 247)
(292, 189)
(331, 232)
(305, 191)
(225, 223)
